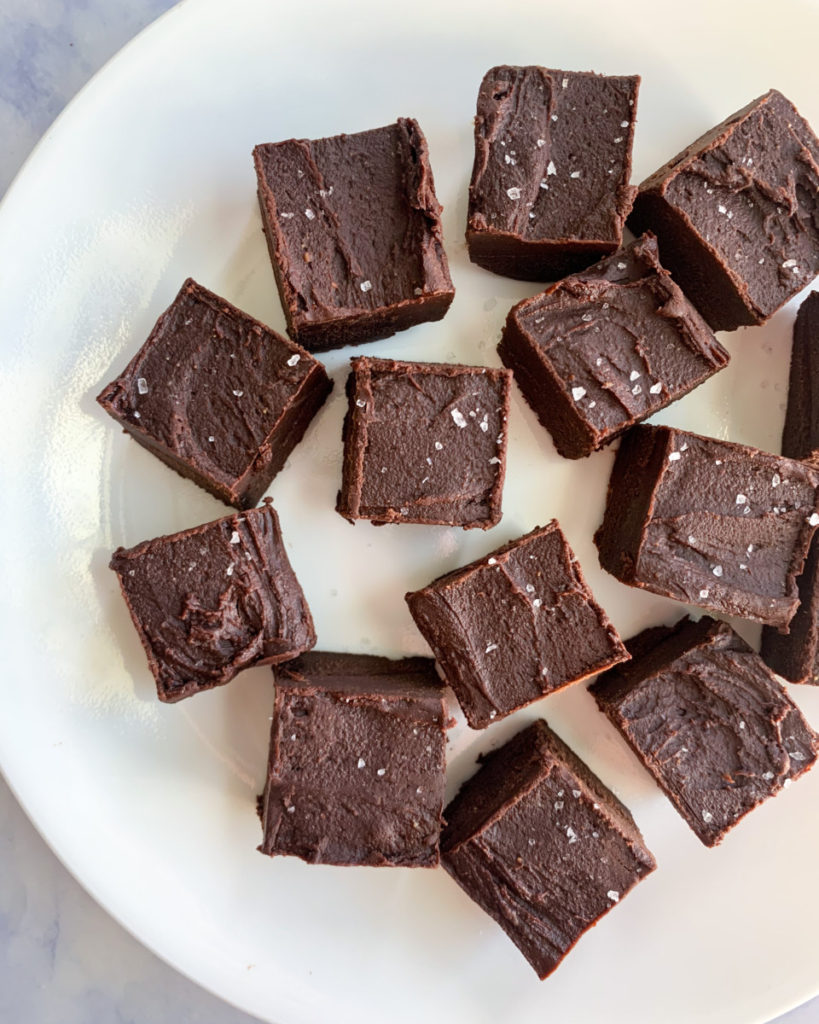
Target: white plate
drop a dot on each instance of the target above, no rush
(147, 179)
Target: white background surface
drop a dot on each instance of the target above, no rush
(61, 958)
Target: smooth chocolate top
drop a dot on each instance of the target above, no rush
(800, 437)
(542, 845)
(213, 600)
(709, 522)
(515, 625)
(708, 720)
(210, 384)
(622, 339)
(553, 154)
(750, 188)
(424, 443)
(357, 221)
(356, 773)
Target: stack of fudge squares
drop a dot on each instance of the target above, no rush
(726, 233)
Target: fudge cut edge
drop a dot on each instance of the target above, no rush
(427, 607)
(353, 326)
(245, 491)
(795, 656)
(338, 676)
(510, 253)
(505, 777)
(548, 395)
(355, 432)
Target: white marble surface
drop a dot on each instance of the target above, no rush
(63, 960)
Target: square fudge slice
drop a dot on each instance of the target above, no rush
(211, 601)
(795, 656)
(606, 348)
(515, 626)
(712, 523)
(707, 718)
(737, 213)
(354, 232)
(218, 396)
(550, 184)
(424, 443)
(357, 759)
(540, 844)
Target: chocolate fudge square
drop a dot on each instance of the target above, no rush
(606, 348)
(715, 524)
(424, 443)
(737, 213)
(357, 757)
(550, 184)
(707, 718)
(795, 656)
(211, 601)
(514, 626)
(354, 232)
(540, 844)
(217, 396)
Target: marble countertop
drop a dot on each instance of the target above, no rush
(63, 960)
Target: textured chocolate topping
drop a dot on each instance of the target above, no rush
(712, 523)
(515, 626)
(550, 183)
(357, 756)
(354, 232)
(796, 656)
(606, 348)
(213, 600)
(737, 213)
(424, 443)
(709, 721)
(218, 396)
(537, 841)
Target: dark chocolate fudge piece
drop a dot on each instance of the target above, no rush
(357, 756)
(515, 626)
(712, 523)
(796, 655)
(213, 600)
(708, 719)
(550, 184)
(737, 213)
(540, 844)
(424, 443)
(218, 396)
(354, 232)
(606, 348)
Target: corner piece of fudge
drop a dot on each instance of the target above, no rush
(606, 348)
(515, 626)
(211, 601)
(550, 185)
(712, 523)
(737, 213)
(357, 759)
(707, 718)
(424, 443)
(540, 844)
(795, 656)
(354, 232)
(217, 396)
